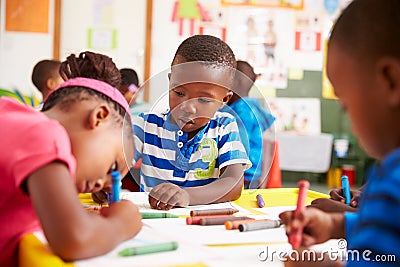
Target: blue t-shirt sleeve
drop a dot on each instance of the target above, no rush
(375, 231)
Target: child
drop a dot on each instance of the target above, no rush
(363, 65)
(46, 77)
(130, 89)
(70, 148)
(253, 121)
(192, 153)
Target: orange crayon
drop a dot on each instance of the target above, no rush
(295, 235)
(232, 225)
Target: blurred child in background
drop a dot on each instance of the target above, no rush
(130, 88)
(253, 120)
(46, 77)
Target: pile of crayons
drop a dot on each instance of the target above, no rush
(226, 217)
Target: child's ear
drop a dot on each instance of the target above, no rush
(50, 83)
(389, 69)
(169, 76)
(227, 97)
(99, 115)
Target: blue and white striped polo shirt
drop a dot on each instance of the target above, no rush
(168, 155)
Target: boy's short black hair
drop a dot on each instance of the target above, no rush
(206, 48)
(44, 70)
(369, 29)
(129, 76)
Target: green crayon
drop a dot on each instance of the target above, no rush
(147, 249)
(157, 215)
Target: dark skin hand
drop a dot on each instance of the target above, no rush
(227, 188)
(336, 194)
(318, 226)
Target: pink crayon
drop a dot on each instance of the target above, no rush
(295, 235)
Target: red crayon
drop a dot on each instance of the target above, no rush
(295, 235)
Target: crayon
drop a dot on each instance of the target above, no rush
(346, 189)
(233, 225)
(147, 249)
(157, 215)
(221, 220)
(295, 235)
(196, 220)
(95, 209)
(260, 201)
(115, 186)
(259, 225)
(227, 211)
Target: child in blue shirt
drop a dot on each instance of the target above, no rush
(363, 65)
(253, 120)
(192, 154)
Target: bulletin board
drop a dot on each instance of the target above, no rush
(27, 16)
(296, 4)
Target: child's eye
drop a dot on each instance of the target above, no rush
(179, 93)
(203, 100)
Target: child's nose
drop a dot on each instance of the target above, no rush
(188, 106)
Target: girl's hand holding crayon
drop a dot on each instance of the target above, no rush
(124, 212)
(165, 196)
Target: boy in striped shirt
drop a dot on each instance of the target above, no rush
(192, 153)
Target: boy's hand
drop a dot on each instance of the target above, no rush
(165, 196)
(330, 205)
(318, 226)
(337, 194)
(126, 214)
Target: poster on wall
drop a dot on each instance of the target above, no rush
(308, 31)
(298, 115)
(296, 4)
(27, 16)
(259, 36)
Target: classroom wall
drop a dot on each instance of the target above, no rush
(19, 52)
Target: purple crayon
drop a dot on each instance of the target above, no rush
(260, 201)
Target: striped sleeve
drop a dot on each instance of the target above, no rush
(138, 131)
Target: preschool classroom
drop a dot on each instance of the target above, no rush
(285, 42)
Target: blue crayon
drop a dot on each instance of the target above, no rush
(260, 201)
(115, 186)
(346, 189)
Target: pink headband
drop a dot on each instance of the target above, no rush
(99, 86)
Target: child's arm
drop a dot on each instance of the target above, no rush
(71, 231)
(330, 205)
(228, 187)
